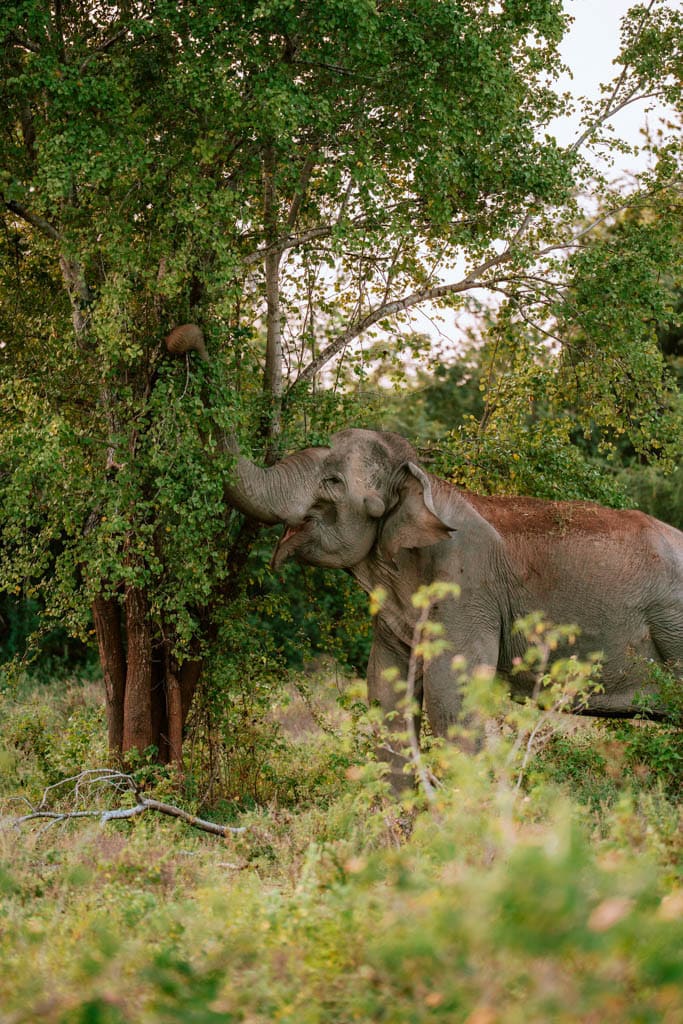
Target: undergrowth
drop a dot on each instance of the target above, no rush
(549, 894)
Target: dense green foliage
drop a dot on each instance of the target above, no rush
(597, 414)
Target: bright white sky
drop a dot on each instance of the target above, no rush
(589, 49)
(593, 40)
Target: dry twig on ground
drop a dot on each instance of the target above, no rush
(86, 784)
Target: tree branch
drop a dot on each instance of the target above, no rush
(23, 42)
(280, 245)
(475, 279)
(301, 189)
(122, 783)
(272, 380)
(104, 46)
(34, 219)
(609, 109)
(386, 309)
(290, 241)
(633, 97)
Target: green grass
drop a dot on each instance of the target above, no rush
(559, 899)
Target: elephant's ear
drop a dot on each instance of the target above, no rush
(413, 522)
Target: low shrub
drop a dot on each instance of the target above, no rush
(653, 746)
(543, 880)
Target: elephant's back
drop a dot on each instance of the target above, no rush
(520, 516)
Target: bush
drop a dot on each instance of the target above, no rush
(653, 750)
(45, 648)
(495, 908)
(541, 882)
(585, 765)
(55, 732)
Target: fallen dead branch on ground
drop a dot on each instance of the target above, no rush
(88, 784)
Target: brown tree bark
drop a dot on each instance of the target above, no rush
(147, 694)
(272, 379)
(174, 707)
(137, 704)
(159, 708)
(190, 674)
(107, 619)
(180, 685)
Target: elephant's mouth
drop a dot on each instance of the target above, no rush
(292, 538)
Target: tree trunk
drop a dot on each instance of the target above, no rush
(147, 694)
(107, 619)
(159, 703)
(80, 297)
(137, 705)
(272, 380)
(190, 674)
(174, 710)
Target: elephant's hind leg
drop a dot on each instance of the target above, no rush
(667, 635)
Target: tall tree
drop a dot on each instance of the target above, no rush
(289, 176)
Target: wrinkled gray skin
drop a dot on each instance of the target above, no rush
(365, 505)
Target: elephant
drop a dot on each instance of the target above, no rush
(363, 503)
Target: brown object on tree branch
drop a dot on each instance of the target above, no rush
(187, 338)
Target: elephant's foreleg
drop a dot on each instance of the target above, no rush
(387, 667)
(444, 687)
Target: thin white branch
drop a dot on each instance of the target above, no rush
(387, 309)
(122, 783)
(609, 109)
(24, 42)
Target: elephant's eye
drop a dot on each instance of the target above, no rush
(333, 480)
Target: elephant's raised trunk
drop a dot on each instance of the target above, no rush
(281, 493)
(278, 494)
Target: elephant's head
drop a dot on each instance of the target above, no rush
(338, 502)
